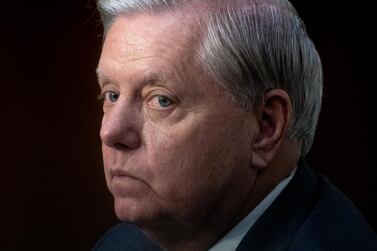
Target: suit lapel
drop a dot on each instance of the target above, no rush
(276, 227)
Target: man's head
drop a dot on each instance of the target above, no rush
(200, 99)
(248, 46)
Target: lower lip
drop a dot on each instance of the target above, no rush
(123, 178)
(126, 184)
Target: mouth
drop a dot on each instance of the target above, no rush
(124, 184)
(119, 173)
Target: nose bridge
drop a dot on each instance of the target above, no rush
(121, 125)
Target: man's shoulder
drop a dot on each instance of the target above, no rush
(333, 224)
(125, 237)
(310, 214)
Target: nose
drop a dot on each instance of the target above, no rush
(121, 127)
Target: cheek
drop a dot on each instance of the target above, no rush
(191, 159)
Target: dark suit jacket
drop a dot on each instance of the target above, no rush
(310, 214)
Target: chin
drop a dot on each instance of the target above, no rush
(127, 210)
(133, 211)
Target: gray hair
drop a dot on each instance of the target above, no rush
(249, 47)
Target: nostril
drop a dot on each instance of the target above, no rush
(120, 146)
(131, 140)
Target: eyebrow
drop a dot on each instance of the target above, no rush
(154, 77)
(151, 78)
(100, 75)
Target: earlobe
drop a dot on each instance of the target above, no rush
(257, 161)
(273, 114)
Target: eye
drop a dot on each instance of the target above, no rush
(161, 102)
(112, 96)
(164, 101)
(109, 96)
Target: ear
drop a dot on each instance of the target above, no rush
(274, 114)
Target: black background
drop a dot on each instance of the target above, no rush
(53, 193)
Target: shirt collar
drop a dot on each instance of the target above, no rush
(233, 238)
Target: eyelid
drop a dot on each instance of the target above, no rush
(156, 99)
(152, 99)
(161, 92)
(106, 88)
(102, 83)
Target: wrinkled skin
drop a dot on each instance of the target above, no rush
(174, 147)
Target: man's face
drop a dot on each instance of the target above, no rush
(173, 144)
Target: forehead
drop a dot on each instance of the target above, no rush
(141, 36)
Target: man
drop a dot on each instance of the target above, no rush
(209, 108)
